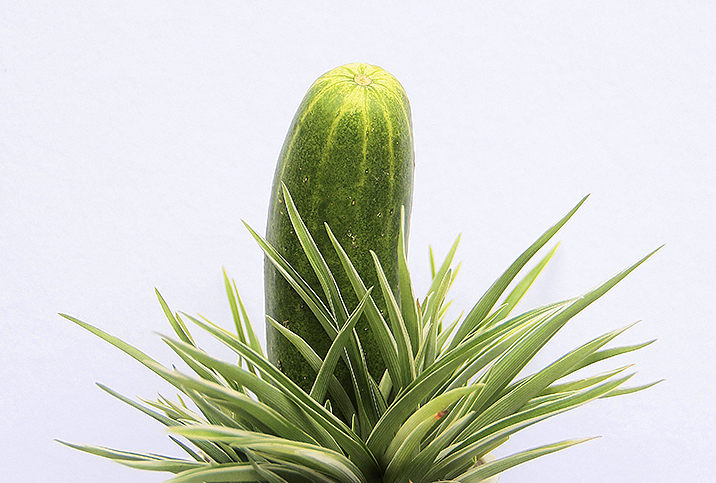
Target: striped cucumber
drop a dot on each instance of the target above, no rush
(347, 161)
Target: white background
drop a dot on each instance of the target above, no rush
(134, 137)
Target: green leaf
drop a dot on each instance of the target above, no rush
(432, 262)
(382, 334)
(337, 391)
(365, 397)
(487, 470)
(235, 472)
(318, 391)
(159, 417)
(402, 339)
(408, 302)
(579, 384)
(445, 334)
(244, 329)
(118, 343)
(631, 390)
(323, 460)
(175, 322)
(438, 277)
(523, 286)
(142, 461)
(430, 345)
(234, 308)
(608, 353)
(254, 342)
(488, 300)
(319, 265)
(302, 288)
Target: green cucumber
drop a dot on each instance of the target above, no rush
(347, 161)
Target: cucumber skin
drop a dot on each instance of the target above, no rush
(348, 161)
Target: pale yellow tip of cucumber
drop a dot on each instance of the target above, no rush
(362, 79)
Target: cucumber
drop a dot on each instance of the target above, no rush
(347, 161)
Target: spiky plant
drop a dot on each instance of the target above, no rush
(451, 394)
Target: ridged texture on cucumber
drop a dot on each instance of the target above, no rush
(348, 161)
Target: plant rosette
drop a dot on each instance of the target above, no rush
(245, 419)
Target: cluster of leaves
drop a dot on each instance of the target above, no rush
(451, 394)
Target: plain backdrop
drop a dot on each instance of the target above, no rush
(135, 137)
